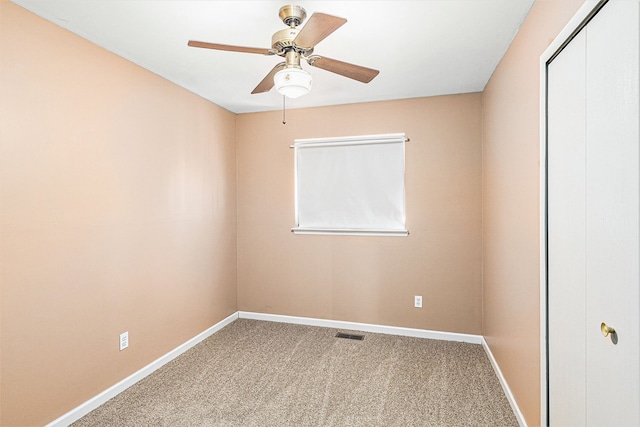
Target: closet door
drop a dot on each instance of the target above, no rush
(613, 215)
(566, 231)
(593, 224)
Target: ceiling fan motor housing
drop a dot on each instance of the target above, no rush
(284, 39)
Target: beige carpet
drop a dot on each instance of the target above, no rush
(255, 373)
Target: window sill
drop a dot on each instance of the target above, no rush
(350, 232)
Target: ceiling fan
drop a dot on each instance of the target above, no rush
(293, 44)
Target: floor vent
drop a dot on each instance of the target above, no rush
(350, 336)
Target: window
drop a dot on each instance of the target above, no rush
(352, 185)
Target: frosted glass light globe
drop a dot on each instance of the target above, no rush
(292, 82)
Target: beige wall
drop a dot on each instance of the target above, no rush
(367, 279)
(117, 214)
(511, 250)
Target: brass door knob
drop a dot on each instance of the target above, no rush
(606, 330)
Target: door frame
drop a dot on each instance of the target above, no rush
(577, 22)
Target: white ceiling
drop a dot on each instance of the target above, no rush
(422, 48)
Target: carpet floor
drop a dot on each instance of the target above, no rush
(257, 373)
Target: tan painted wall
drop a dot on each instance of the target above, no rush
(511, 249)
(367, 279)
(117, 213)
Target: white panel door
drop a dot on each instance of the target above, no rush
(593, 222)
(613, 220)
(566, 227)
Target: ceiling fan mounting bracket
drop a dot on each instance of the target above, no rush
(292, 15)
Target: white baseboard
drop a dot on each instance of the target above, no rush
(505, 386)
(91, 404)
(365, 327)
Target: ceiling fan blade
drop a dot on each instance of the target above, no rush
(230, 48)
(317, 28)
(356, 72)
(267, 83)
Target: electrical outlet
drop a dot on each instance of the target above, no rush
(124, 340)
(417, 301)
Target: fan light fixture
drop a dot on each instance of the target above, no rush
(292, 82)
(294, 44)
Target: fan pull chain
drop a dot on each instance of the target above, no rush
(284, 117)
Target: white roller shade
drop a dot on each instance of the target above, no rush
(352, 185)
